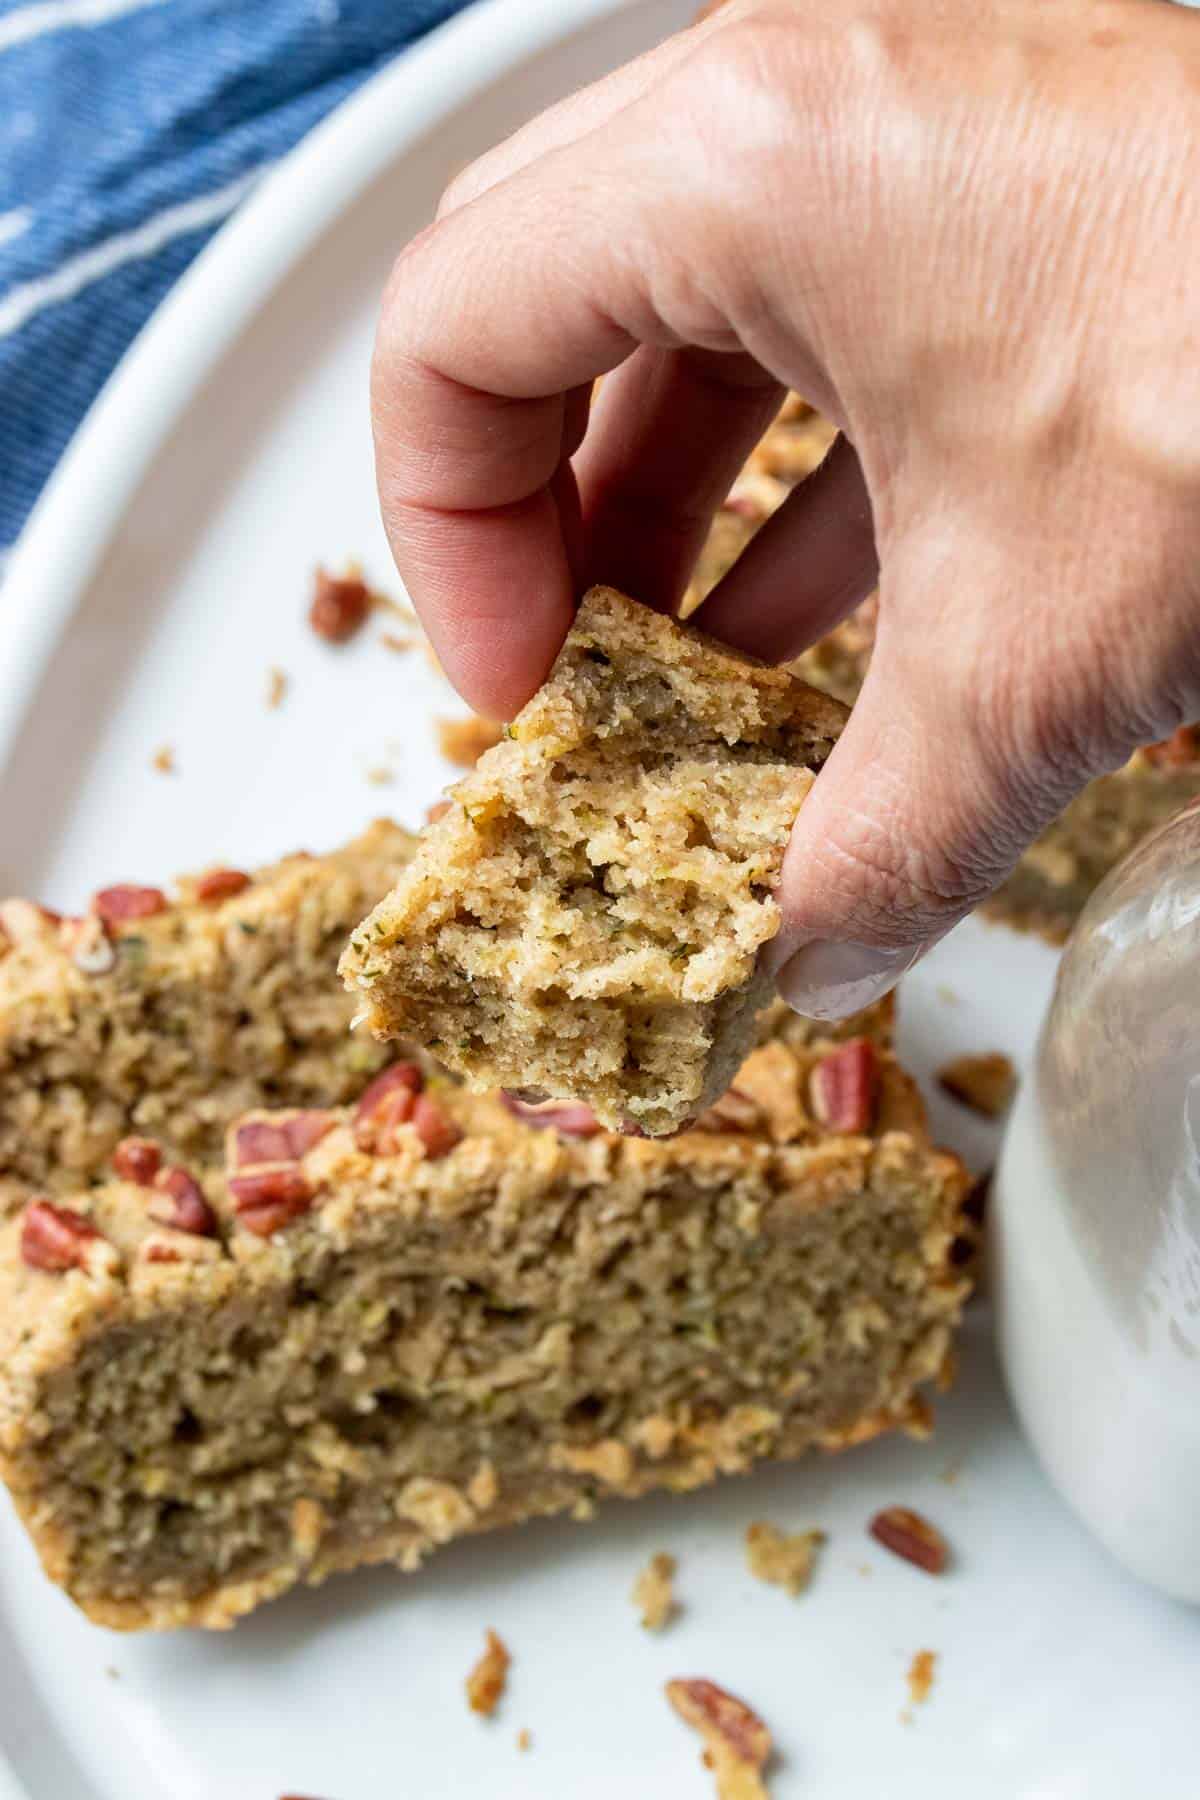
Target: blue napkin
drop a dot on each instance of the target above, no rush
(129, 130)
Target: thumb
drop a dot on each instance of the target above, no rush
(918, 814)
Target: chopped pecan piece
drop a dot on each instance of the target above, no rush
(340, 604)
(738, 1744)
(268, 1198)
(221, 884)
(179, 1202)
(118, 905)
(486, 1682)
(734, 1111)
(384, 1104)
(985, 1083)
(177, 1247)
(56, 1240)
(842, 1086)
(436, 1130)
(570, 1117)
(907, 1534)
(137, 1159)
(280, 1138)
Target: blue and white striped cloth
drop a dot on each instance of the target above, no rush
(129, 129)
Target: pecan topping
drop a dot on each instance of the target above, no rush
(385, 1103)
(54, 1239)
(268, 1198)
(221, 884)
(907, 1534)
(284, 1137)
(569, 1117)
(842, 1086)
(137, 1159)
(179, 1201)
(486, 1682)
(340, 604)
(436, 1130)
(118, 905)
(177, 1247)
(87, 943)
(734, 1111)
(738, 1744)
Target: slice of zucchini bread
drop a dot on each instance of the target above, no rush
(584, 919)
(171, 1016)
(377, 1329)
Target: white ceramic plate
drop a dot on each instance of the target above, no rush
(164, 574)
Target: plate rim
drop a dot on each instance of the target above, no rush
(296, 202)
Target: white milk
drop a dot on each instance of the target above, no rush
(1105, 1380)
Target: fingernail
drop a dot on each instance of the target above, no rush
(829, 981)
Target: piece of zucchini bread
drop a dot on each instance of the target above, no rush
(584, 919)
(171, 1016)
(379, 1328)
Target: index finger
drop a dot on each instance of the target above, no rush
(626, 236)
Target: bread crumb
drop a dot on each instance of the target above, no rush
(380, 777)
(947, 995)
(339, 604)
(524, 1738)
(784, 1561)
(463, 741)
(391, 640)
(654, 1592)
(487, 1680)
(986, 1083)
(277, 687)
(921, 1672)
(163, 760)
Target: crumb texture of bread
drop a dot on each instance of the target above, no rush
(584, 919)
(782, 1559)
(440, 1331)
(174, 1023)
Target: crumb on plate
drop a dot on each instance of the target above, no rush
(339, 604)
(782, 1559)
(984, 1083)
(277, 687)
(163, 760)
(487, 1680)
(654, 1592)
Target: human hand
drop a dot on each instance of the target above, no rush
(970, 239)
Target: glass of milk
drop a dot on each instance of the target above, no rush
(1096, 1218)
